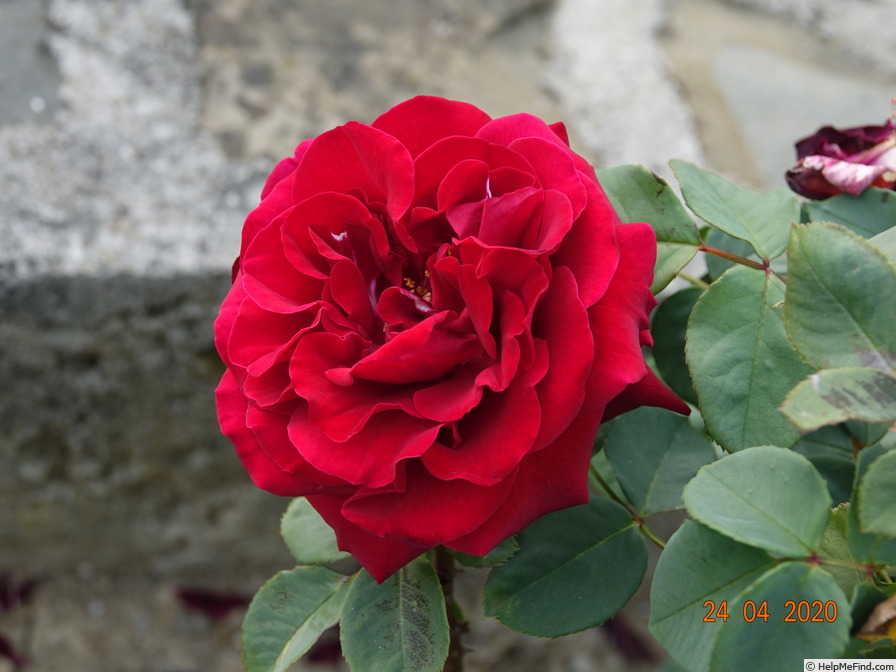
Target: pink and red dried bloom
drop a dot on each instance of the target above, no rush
(430, 316)
(850, 160)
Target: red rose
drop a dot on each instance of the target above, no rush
(850, 160)
(430, 317)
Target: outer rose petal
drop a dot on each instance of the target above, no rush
(419, 122)
(232, 407)
(563, 324)
(551, 479)
(648, 391)
(619, 319)
(590, 248)
(357, 158)
(380, 557)
(428, 511)
(285, 168)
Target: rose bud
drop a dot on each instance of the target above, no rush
(430, 317)
(833, 161)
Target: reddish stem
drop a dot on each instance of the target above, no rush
(736, 258)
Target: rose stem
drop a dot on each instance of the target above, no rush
(446, 570)
(636, 518)
(697, 282)
(736, 258)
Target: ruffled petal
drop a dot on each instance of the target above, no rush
(357, 159)
(549, 480)
(264, 472)
(419, 122)
(380, 557)
(428, 511)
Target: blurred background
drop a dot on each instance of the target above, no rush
(134, 137)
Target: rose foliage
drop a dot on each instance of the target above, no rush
(430, 317)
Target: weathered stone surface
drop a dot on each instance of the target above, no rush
(118, 461)
(861, 30)
(615, 86)
(122, 178)
(277, 73)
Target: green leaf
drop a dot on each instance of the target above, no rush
(776, 645)
(654, 454)
(869, 214)
(833, 395)
(741, 362)
(698, 566)
(670, 322)
(835, 545)
(397, 626)
(287, 616)
(886, 243)
(841, 299)
(830, 451)
(867, 596)
(310, 540)
(638, 195)
(498, 555)
(766, 497)
(866, 433)
(575, 569)
(761, 219)
(877, 508)
(866, 545)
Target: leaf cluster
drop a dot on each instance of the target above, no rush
(785, 473)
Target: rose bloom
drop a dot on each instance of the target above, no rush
(833, 161)
(430, 316)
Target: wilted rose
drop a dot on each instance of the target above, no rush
(430, 317)
(833, 161)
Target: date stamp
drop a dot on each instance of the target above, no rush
(802, 611)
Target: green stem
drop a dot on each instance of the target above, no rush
(697, 282)
(650, 534)
(833, 562)
(603, 484)
(445, 568)
(646, 531)
(736, 258)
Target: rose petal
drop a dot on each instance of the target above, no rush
(426, 352)
(355, 158)
(497, 434)
(285, 168)
(853, 178)
(340, 411)
(380, 557)
(648, 391)
(620, 316)
(232, 408)
(548, 480)
(271, 280)
(419, 122)
(590, 249)
(562, 322)
(432, 165)
(370, 457)
(450, 399)
(429, 511)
